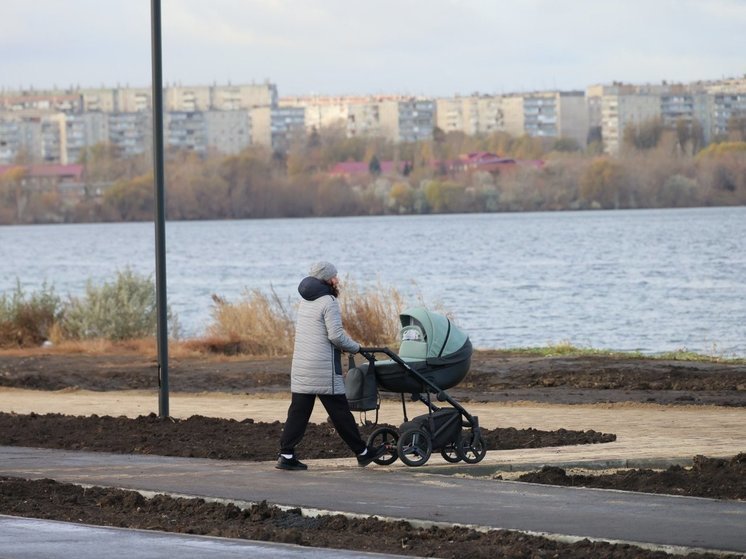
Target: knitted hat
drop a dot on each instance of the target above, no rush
(323, 271)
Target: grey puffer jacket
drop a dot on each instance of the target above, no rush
(319, 341)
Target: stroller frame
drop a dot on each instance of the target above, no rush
(440, 429)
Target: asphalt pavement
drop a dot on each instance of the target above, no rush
(660, 521)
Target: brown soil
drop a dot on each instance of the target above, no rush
(493, 377)
(225, 439)
(113, 507)
(715, 478)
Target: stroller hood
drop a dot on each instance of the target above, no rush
(446, 343)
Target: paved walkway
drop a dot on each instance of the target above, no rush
(23, 538)
(407, 493)
(646, 435)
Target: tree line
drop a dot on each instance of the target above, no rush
(658, 166)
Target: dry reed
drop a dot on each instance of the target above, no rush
(257, 324)
(262, 325)
(371, 317)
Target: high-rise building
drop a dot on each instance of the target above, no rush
(277, 127)
(409, 120)
(473, 115)
(228, 131)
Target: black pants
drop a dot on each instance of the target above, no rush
(339, 412)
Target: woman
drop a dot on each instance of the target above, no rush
(317, 369)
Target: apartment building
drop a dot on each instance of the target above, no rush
(131, 132)
(363, 119)
(324, 111)
(709, 105)
(473, 115)
(277, 127)
(46, 101)
(228, 131)
(449, 114)
(409, 120)
(397, 118)
(185, 130)
(20, 137)
(551, 114)
(556, 114)
(180, 98)
(727, 85)
(620, 111)
(201, 131)
(57, 125)
(34, 136)
(62, 138)
(219, 97)
(514, 121)
(134, 100)
(725, 106)
(82, 131)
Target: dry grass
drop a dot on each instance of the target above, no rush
(26, 319)
(142, 347)
(98, 346)
(262, 325)
(257, 324)
(371, 317)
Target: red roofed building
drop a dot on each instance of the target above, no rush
(482, 161)
(68, 179)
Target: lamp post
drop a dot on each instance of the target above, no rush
(160, 209)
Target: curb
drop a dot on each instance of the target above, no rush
(475, 470)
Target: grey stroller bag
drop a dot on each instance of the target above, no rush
(361, 387)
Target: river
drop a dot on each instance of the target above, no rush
(633, 280)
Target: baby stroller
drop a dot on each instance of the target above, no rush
(434, 355)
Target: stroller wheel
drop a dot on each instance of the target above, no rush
(471, 447)
(414, 447)
(388, 438)
(450, 453)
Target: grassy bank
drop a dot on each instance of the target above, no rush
(120, 317)
(566, 349)
(211, 348)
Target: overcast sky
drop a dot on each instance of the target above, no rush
(429, 47)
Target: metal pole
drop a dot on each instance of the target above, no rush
(160, 210)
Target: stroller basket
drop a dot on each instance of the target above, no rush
(393, 377)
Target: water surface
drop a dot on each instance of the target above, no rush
(648, 280)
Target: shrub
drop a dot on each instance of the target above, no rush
(723, 148)
(122, 310)
(27, 321)
(678, 191)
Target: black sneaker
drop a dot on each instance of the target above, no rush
(371, 455)
(290, 464)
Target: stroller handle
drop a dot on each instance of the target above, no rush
(370, 353)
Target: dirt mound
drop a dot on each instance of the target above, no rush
(225, 439)
(708, 477)
(128, 509)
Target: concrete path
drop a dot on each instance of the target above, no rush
(407, 493)
(647, 435)
(24, 538)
